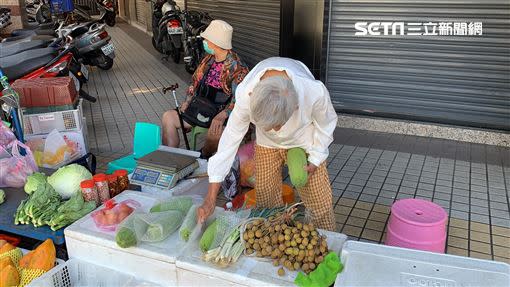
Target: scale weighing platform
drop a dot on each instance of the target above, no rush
(164, 167)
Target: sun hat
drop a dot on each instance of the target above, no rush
(219, 33)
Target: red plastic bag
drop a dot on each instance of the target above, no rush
(14, 167)
(246, 155)
(109, 217)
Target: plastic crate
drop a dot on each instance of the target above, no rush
(62, 121)
(75, 272)
(368, 264)
(46, 92)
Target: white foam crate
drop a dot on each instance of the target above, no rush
(248, 271)
(369, 264)
(63, 121)
(76, 272)
(154, 262)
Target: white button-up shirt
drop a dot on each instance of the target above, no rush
(310, 127)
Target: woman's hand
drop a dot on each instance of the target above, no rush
(207, 207)
(217, 123)
(184, 106)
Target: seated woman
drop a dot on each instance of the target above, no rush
(215, 81)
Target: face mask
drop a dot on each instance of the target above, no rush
(207, 49)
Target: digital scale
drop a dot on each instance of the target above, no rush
(164, 167)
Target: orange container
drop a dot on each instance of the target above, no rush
(287, 196)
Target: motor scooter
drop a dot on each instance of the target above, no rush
(167, 29)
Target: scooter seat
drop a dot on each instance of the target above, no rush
(11, 48)
(27, 32)
(16, 66)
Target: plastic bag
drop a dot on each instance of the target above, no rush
(6, 135)
(188, 224)
(246, 155)
(159, 225)
(230, 185)
(54, 150)
(14, 167)
(108, 218)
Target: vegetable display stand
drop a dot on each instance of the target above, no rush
(75, 272)
(13, 200)
(248, 271)
(154, 262)
(367, 264)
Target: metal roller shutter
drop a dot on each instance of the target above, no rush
(449, 79)
(141, 11)
(256, 25)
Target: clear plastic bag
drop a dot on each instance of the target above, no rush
(189, 223)
(246, 155)
(159, 225)
(108, 218)
(6, 135)
(15, 167)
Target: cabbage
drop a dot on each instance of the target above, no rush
(66, 180)
(33, 181)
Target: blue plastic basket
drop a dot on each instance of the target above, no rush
(61, 6)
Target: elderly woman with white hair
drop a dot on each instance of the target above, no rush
(289, 108)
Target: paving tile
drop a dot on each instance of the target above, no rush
(502, 259)
(458, 242)
(500, 214)
(352, 230)
(350, 195)
(443, 196)
(412, 184)
(456, 251)
(501, 251)
(480, 247)
(480, 210)
(343, 210)
(475, 226)
(346, 202)
(371, 235)
(454, 222)
(426, 186)
(364, 205)
(381, 208)
(500, 240)
(368, 197)
(499, 206)
(479, 255)
(361, 213)
(388, 194)
(479, 195)
(480, 218)
(460, 206)
(385, 200)
(480, 236)
(407, 190)
(500, 222)
(377, 216)
(480, 202)
(459, 214)
(340, 218)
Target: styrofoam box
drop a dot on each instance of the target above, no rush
(248, 271)
(154, 262)
(369, 264)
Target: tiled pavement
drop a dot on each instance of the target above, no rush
(368, 170)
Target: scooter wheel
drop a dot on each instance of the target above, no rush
(156, 45)
(190, 68)
(107, 65)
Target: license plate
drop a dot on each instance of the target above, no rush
(108, 49)
(84, 71)
(76, 81)
(174, 30)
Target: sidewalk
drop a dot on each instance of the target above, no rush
(368, 170)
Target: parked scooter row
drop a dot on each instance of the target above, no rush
(175, 31)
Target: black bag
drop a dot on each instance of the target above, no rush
(88, 161)
(205, 105)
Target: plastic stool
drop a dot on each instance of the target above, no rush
(195, 131)
(146, 140)
(417, 224)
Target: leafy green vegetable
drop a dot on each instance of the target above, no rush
(180, 203)
(126, 236)
(2, 196)
(208, 236)
(75, 203)
(188, 224)
(66, 180)
(160, 225)
(34, 181)
(64, 219)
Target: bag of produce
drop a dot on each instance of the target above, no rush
(128, 234)
(108, 218)
(160, 225)
(189, 224)
(15, 167)
(179, 203)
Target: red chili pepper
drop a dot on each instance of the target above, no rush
(109, 204)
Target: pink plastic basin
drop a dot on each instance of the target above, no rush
(417, 224)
